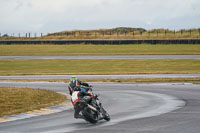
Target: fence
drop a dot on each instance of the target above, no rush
(132, 34)
(96, 42)
(20, 35)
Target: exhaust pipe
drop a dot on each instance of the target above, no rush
(91, 107)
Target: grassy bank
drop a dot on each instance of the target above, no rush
(21, 50)
(114, 33)
(128, 66)
(18, 100)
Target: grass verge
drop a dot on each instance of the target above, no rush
(18, 100)
(76, 67)
(142, 49)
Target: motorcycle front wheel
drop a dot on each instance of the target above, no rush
(90, 115)
(107, 117)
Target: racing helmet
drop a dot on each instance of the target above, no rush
(73, 78)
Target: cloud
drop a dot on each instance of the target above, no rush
(56, 15)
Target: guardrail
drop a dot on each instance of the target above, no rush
(62, 42)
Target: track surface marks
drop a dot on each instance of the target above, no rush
(124, 102)
(106, 57)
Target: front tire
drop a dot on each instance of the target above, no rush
(107, 117)
(90, 116)
(105, 114)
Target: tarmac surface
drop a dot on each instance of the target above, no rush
(106, 57)
(134, 108)
(102, 76)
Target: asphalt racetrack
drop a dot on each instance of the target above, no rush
(106, 57)
(134, 108)
(102, 76)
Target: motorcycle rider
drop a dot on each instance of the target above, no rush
(78, 90)
(75, 84)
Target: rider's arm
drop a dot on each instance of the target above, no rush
(84, 84)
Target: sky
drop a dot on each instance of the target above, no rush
(47, 16)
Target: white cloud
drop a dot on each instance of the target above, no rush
(56, 15)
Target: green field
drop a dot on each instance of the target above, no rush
(129, 66)
(21, 50)
(18, 100)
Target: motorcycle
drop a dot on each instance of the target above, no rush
(92, 110)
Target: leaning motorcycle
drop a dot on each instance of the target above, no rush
(92, 109)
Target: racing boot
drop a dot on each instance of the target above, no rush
(78, 116)
(76, 113)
